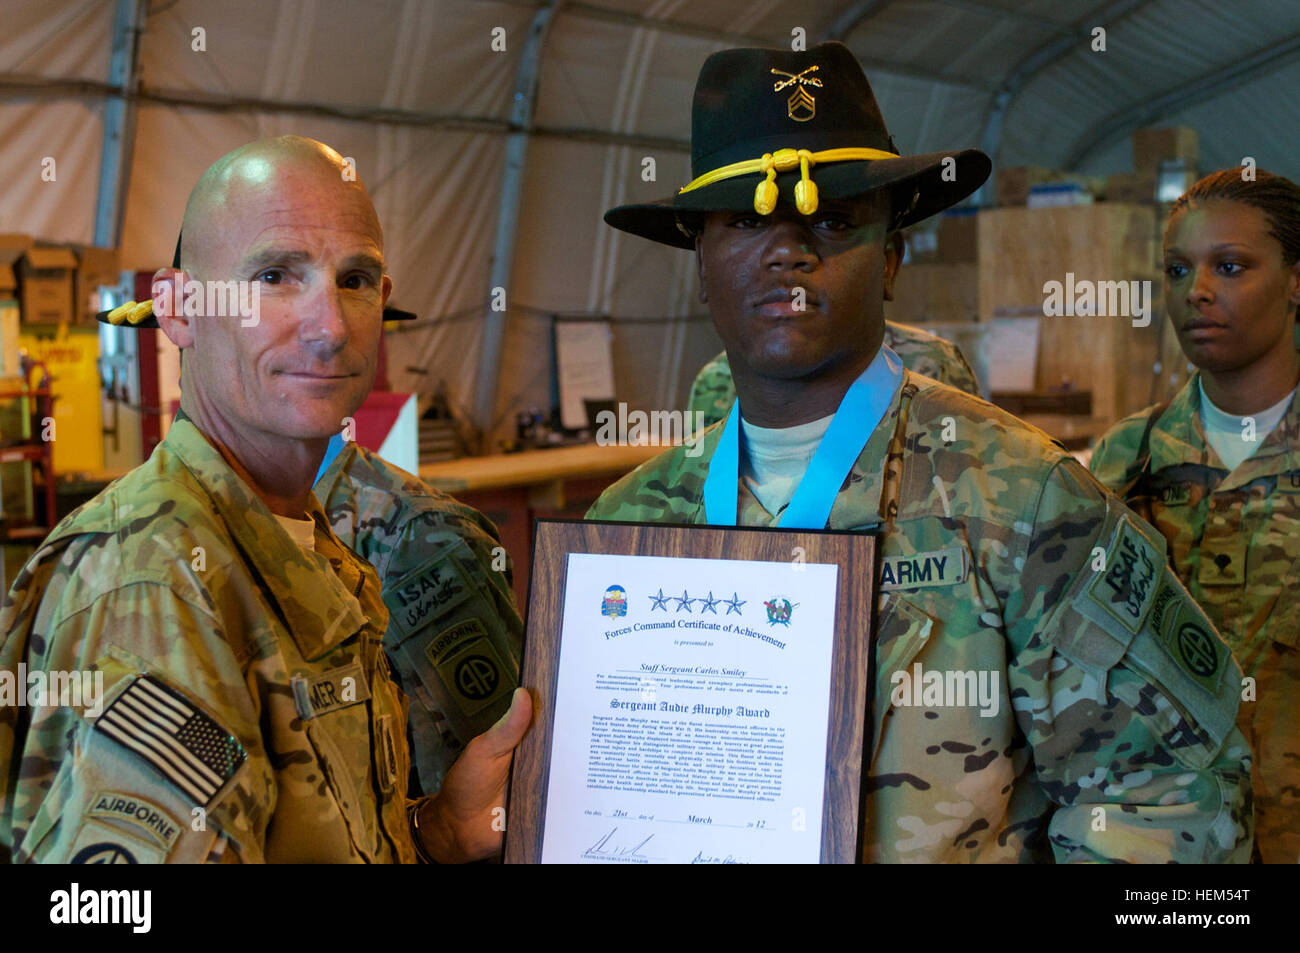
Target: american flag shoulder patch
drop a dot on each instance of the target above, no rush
(179, 741)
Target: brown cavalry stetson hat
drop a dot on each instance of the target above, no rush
(773, 127)
(139, 314)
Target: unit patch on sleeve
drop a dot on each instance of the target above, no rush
(1181, 629)
(100, 843)
(469, 665)
(180, 742)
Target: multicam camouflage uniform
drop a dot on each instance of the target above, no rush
(454, 635)
(921, 352)
(1235, 543)
(244, 680)
(1119, 698)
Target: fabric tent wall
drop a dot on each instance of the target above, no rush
(415, 92)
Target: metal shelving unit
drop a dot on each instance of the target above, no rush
(38, 404)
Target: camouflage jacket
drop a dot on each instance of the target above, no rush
(1234, 540)
(454, 635)
(1110, 742)
(713, 391)
(243, 682)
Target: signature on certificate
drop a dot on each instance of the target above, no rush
(607, 849)
(703, 858)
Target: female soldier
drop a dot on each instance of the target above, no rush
(1217, 469)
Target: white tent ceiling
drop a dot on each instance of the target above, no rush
(439, 122)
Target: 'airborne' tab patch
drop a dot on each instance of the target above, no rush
(180, 742)
(944, 567)
(147, 816)
(1127, 587)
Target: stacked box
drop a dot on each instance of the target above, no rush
(1175, 144)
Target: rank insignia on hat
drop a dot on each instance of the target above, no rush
(800, 106)
(180, 742)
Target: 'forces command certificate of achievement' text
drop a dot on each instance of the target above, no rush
(691, 711)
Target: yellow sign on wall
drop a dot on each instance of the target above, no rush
(72, 357)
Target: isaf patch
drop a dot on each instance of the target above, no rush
(184, 745)
(425, 594)
(324, 692)
(1126, 588)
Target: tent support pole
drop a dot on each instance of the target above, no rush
(503, 251)
(119, 123)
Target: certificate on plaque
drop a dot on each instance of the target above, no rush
(700, 695)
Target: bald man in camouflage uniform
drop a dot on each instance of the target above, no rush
(454, 635)
(713, 391)
(248, 713)
(1235, 540)
(1114, 736)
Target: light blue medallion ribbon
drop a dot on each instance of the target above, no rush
(861, 409)
(333, 450)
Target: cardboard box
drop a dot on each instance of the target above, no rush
(946, 292)
(45, 285)
(12, 248)
(922, 246)
(95, 267)
(1015, 181)
(8, 338)
(1068, 191)
(957, 237)
(1152, 146)
(1134, 187)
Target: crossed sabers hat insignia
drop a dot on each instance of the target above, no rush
(800, 98)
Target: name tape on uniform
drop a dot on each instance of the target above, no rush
(324, 692)
(943, 567)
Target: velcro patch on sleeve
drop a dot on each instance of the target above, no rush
(156, 822)
(469, 665)
(183, 744)
(1126, 588)
(324, 692)
(1182, 630)
(943, 567)
(98, 843)
(426, 594)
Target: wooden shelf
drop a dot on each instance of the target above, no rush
(23, 533)
(34, 452)
(534, 467)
